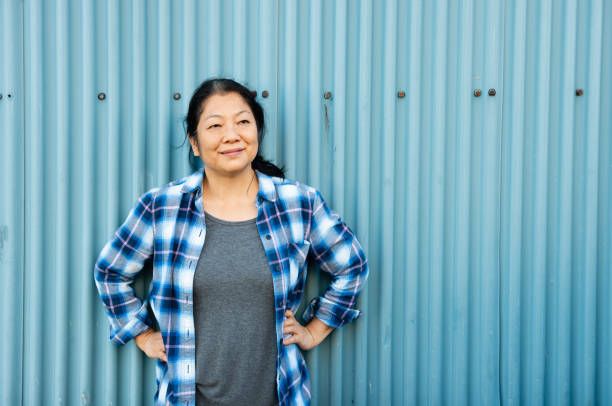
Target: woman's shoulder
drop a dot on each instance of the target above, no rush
(290, 189)
(175, 188)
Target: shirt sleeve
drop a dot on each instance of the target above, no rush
(121, 259)
(339, 254)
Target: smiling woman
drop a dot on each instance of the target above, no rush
(230, 245)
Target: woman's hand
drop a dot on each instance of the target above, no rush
(306, 337)
(152, 344)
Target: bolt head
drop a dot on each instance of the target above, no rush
(579, 92)
(492, 92)
(265, 94)
(401, 95)
(327, 95)
(101, 96)
(477, 92)
(177, 96)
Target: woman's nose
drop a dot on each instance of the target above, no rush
(231, 134)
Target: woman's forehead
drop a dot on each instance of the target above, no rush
(220, 105)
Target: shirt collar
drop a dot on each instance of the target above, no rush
(267, 189)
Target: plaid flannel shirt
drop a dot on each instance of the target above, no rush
(167, 225)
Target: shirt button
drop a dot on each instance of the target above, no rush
(268, 237)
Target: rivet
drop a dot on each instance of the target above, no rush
(327, 95)
(101, 96)
(9, 95)
(477, 92)
(0, 96)
(579, 92)
(176, 96)
(265, 94)
(401, 95)
(491, 92)
(254, 93)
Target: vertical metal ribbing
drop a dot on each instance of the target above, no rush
(387, 172)
(361, 113)
(12, 183)
(338, 154)
(57, 178)
(513, 134)
(485, 219)
(603, 328)
(84, 188)
(584, 356)
(33, 264)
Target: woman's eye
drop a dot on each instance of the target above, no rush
(214, 126)
(245, 121)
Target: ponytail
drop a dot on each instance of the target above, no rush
(267, 167)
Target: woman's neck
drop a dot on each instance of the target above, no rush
(239, 187)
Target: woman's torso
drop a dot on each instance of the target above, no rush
(236, 351)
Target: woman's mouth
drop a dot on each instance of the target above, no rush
(232, 152)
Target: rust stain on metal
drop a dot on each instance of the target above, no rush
(579, 92)
(327, 95)
(326, 123)
(265, 94)
(401, 95)
(492, 92)
(477, 92)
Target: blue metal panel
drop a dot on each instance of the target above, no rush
(555, 226)
(12, 159)
(486, 220)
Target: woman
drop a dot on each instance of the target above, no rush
(230, 245)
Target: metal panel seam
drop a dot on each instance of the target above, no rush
(502, 66)
(278, 67)
(23, 168)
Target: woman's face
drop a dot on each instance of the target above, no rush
(227, 135)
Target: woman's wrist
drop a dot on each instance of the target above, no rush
(141, 338)
(318, 330)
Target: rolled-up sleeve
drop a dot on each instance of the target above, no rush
(121, 259)
(338, 253)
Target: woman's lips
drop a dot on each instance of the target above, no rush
(232, 152)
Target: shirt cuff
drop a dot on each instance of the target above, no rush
(137, 325)
(330, 313)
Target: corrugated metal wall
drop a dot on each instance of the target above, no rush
(11, 200)
(487, 220)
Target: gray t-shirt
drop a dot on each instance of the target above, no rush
(234, 320)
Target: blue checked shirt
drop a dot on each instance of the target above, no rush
(167, 225)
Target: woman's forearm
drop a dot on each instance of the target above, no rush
(318, 330)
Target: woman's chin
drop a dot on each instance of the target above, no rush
(233, 169)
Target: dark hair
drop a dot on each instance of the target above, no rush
(222, 86)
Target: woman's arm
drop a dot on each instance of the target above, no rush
(306, 337)
(121, 259)
(338, 253)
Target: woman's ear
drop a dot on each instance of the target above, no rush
(194, 144)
